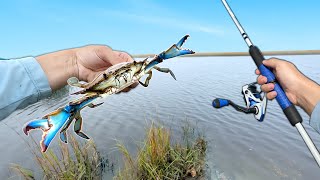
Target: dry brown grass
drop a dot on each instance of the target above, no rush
(72, 161)
(158, 158)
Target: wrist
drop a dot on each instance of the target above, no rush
(58, 67)
(309, 95)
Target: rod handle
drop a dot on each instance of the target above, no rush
(288, 108)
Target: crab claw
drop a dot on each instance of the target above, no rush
(182, 40)
(41, 123)
(50, 125)
(176, 50)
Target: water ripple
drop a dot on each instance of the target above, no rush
(240, 146)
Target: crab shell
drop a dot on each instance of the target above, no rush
(115, 78)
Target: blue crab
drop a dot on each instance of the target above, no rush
(111, 81)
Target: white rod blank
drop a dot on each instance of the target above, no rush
(235, 20)
(309, 142)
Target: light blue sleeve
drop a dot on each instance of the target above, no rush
(315, 118)
(22, 82)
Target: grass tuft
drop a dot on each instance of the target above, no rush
(72, 161)
(159, 158)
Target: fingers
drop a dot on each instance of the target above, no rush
(257, 72)
(261, 80)
(122, 57)
(103, 52)
(108, 55)
(271, 95)
(272, 62)
(267, 87)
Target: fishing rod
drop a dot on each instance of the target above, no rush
(288, 108)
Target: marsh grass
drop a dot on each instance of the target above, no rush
(71, 161)
(160, 158)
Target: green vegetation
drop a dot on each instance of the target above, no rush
(73, 161)
(159, 158)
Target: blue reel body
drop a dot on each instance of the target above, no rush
(255, 103)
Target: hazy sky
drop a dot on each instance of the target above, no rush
(33, 27)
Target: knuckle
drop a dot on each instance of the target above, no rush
(264, 87)
(270, 96)
(103, 48)
(125, 56)
(98, 48)
(262, 79)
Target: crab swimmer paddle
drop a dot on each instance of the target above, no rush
(288, 108)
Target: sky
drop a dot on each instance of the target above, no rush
(34, 27)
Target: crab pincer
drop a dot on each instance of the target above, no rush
(50, 125)
(176, 50)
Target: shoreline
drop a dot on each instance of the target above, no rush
(266, 53)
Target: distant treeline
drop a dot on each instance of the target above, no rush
(267, 53)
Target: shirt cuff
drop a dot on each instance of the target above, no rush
(37, 76)
(315, 118)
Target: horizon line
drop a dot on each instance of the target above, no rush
(267, 53)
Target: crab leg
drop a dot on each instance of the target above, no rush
(165, 70)
(78, 127)
(63, 132)
(91, 105)
(146, 82)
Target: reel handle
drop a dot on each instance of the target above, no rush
(288, 108)
(218, 102)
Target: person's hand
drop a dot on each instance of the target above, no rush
(85, 63)
(91, 60)
(299, 89)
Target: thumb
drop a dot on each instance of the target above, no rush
(122, 56)
(92, 75)
(272, 63)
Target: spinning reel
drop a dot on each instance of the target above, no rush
(255, 104)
